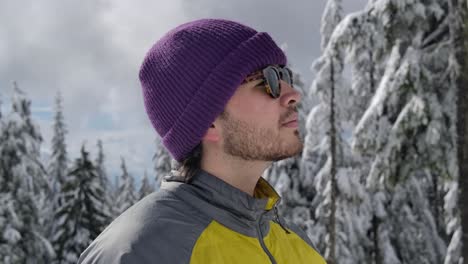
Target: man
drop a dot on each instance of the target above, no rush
(218, 94)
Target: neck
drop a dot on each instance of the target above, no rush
(237, 172)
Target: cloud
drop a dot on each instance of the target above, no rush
(90, 51)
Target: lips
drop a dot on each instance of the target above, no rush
(292, 119)
(290, 122)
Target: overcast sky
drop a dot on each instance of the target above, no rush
(91, 51)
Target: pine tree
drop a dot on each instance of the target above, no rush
(162, 162)
(331, 16)
(126, 196)
(321, 157)
(145, 188)
(23, 187)
(456, 197)
(79, 216)
(340, 210)
(397, 52)
(107, 208)
(358, 47)
(58, 164)
(102, 175)
(58, 160)
(406, 130)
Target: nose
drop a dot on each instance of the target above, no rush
(289, 95)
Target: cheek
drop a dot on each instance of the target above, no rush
(254, 108)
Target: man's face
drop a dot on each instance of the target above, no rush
(252, 124)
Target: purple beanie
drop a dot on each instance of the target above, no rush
(190, 74)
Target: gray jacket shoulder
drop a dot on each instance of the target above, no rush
(160, 228)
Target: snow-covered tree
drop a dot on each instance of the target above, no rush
(58, 163)
(340, 218)
(79, 216)
(331, 16)
(340, 209)
(456, 187)
(354, 45)
(382, 46)
(146, 187)
(162, 162)
(59, 159)
(126, 195)
(105, 183)
(102, 174)
(23, 187)
(407, 130)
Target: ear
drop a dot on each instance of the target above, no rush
(212, 134)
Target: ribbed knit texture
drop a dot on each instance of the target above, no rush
(190, 74)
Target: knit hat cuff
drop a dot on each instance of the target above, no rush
(212, 96)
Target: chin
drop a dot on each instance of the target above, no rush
(292, 153)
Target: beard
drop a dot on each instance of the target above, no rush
(250, 142)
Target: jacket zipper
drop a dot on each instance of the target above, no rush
(279, 221)
(260, 238)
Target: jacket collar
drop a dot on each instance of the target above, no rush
(265, 197)
(225, 203)
(224, 195)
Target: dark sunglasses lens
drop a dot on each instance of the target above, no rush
(287, 76)
(271, 75)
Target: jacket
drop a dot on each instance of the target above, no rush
(206, 221)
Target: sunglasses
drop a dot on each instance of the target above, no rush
(271, 77)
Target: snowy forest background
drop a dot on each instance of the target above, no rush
(378, 180)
